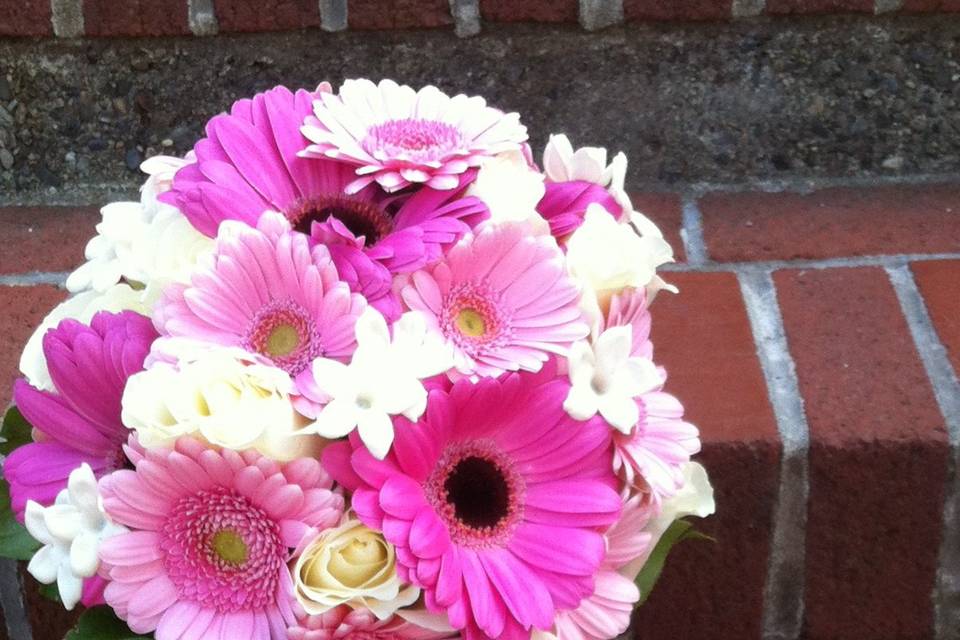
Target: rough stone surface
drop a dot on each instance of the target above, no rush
(939, 282)
(878, 456)
(398, 14)
(711, 102)
(25, 18)
(45, 239)
(703, 338)
(832, 223)
(677, 9)
(916, 6)
(543, 11)
(266, 15)
(134, 18)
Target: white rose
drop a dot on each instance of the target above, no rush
(511, 190)
(351, 564)
(82, 307)
(221, 395)
(607, 256)
(694, 499)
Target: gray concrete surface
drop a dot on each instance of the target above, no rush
(702, 103)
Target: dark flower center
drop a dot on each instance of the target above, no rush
(478, 491)
(361, 218)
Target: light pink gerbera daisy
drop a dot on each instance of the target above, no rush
(494, 501)
(397, 136)
(606, 613)
(628, 308)
(502, 299)
(652, 455)
(211, 536)
(346, 623)
(266, 291)
(248, 164)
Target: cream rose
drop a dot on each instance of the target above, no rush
(222, 396)
(351, 564)
(606, 256)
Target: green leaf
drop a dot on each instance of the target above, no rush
(100, 623)
(15, 432)
(50, 592)
(15, 542)
(676, 533)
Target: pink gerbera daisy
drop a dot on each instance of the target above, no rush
(212, 533)
(248, 164)
(346, 623)
(397, 136)
(494, 502)
(266, 291)
(628, 308)
(606, 613)
(652, 455)
(502, 299)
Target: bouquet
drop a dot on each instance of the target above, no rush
(356, 367)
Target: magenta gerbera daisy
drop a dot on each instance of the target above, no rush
(502, 299)
(266, 291)
(397, 136)
(494, 502)
(212, 533)
(248, 164)
(80, 423)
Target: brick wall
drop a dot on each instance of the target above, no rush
(815, 342)
(72, 18)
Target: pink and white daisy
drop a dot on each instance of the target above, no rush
(248, 164)
(502, 299)
(346, 623)
(266, 291)
(212, 533)
(397, 136)
(606, 613)
(652, 455)
(494, 502)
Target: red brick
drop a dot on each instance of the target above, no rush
(45, 238)
(819, 6)
(677, 9)
(878, 456)
(399, 14)
(266, 15)
(832, 223)
(530, 11)
(134, 18)
(703, 337)
(666, 210)
(939, 282)
(23, 309)
(25, 18)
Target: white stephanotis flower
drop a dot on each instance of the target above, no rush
(82, 307)
(382, 380)
(604, 379)
(221, 394)
(606, 256)
(71, 531)
(511, 190)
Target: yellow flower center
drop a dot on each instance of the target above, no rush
(229, 546)
(282, 341)
(470, 323)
